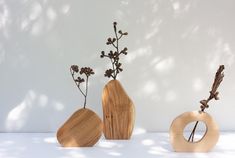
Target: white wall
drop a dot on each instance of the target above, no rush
(174, 46)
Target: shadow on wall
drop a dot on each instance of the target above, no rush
(174, 50)
(178, 48)
(31, 61)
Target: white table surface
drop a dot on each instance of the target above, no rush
(142, 145)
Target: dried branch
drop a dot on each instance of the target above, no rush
(114, 55)
(213, 95)
(87, 71)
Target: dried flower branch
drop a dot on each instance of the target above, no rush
(114, 55)
(87, 71)
(213, 95)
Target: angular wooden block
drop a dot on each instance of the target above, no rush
(82, 129)
(208, 141)
(118, 112)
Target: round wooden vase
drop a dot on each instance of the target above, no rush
(206, 143)
(118, 112)
(82, 129)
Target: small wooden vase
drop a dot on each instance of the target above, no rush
(82, 129)
(118, 112)
(208, 141)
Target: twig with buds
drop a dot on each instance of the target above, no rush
(114, 55)
(213, 95)
(87, 71)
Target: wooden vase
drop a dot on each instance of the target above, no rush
(118, 112)
(82, 129)
(208, 141)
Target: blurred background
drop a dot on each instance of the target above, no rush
(174, 50)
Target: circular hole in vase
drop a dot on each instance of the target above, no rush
(198, 134)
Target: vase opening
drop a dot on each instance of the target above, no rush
(199, 133)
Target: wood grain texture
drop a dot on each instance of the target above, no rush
(82, 129)
(118, 112)
(208, 141)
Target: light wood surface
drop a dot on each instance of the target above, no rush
(118, 112)
(208, 141)
(82, 129)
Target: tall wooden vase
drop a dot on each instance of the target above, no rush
(118, 112)
(82, 129)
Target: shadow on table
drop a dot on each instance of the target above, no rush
(144, 145)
